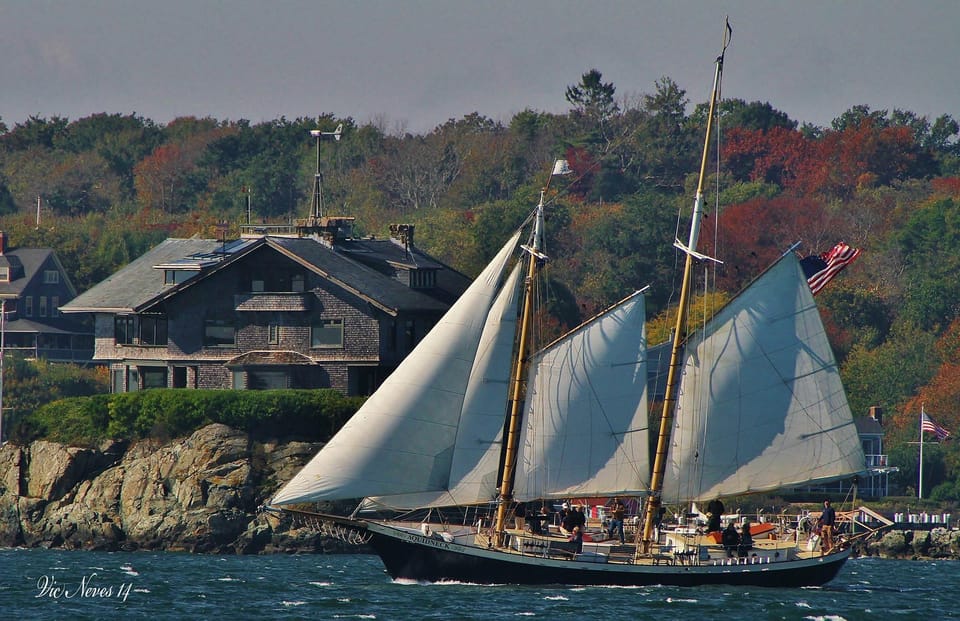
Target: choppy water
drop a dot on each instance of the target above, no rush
(50, 584)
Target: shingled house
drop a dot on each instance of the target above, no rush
(33, 285)
(312, 307)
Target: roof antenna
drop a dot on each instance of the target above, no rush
(317, 210)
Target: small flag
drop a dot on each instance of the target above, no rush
(820, 270)
(927, 424)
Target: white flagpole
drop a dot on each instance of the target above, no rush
(920, 484)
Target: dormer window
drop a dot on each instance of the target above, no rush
(175, 277)
(4, 273)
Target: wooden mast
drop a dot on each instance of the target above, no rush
(518, 389)
(679, 335)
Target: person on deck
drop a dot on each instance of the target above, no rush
(746, 540)
(538, 520)
(568, 519)
(730, 539)
(520, 516)
(827, 521)
(577, 537)
(617, 513)
(580, 518)
(714, 511)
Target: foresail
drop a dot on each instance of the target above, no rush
(402, 439)
(585, 427)
(761, 405)
(476, 456)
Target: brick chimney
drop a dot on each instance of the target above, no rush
(3, 242)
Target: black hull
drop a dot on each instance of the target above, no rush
(414, 557)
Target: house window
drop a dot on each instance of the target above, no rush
(4, 274)
(116, 380)
(153, 330)
(297, 285)
(154, 377)
(218, 333)
(43, 306)
(238, 380)
(410, 334)
(257, 285)
(267, 380)
(133, 379)
(55, 306)
(273, 334)
(51, 277)
(327, 334)
(123, 330)
(392, 337)
(28, 306)
(179, 377)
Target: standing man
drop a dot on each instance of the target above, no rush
(714, 511)
(617, 513)
(827, 521)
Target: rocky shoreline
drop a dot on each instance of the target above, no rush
(203, 494)
(198, 494)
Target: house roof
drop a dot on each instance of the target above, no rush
(140, 284)
(450, 283)
(267, 358)
(49, 325)
(361, 280)
(868, 425)
(31, 260)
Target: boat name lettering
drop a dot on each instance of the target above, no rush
(430, 542)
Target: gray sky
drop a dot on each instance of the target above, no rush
(409, 64)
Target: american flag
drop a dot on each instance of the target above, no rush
(927, 424)
(820, 270)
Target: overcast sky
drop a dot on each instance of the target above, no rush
(412, 65)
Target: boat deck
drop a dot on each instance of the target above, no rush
(673, 549)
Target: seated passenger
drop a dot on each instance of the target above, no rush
(746, 540)
(730, 539)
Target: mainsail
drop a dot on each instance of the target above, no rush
(401, 441)
(761, 405)
(585, 425)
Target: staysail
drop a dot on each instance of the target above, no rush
(761, 405)
(585, 425)
(476, 451)
(401, 440)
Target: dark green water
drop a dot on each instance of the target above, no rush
(44, 584)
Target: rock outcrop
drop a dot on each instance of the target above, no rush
(938, 543)
(200, 494)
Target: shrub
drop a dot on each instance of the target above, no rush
(165, 413)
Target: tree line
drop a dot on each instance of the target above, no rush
(101, 190)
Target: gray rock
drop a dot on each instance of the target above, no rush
(199, 493)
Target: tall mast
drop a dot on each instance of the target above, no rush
(679, 334)
(518, 387)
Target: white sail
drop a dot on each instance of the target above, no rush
(761, 405)
(401, 440)
(585, 428)
(476, 452)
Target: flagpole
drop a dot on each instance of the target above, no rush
(920, 484)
